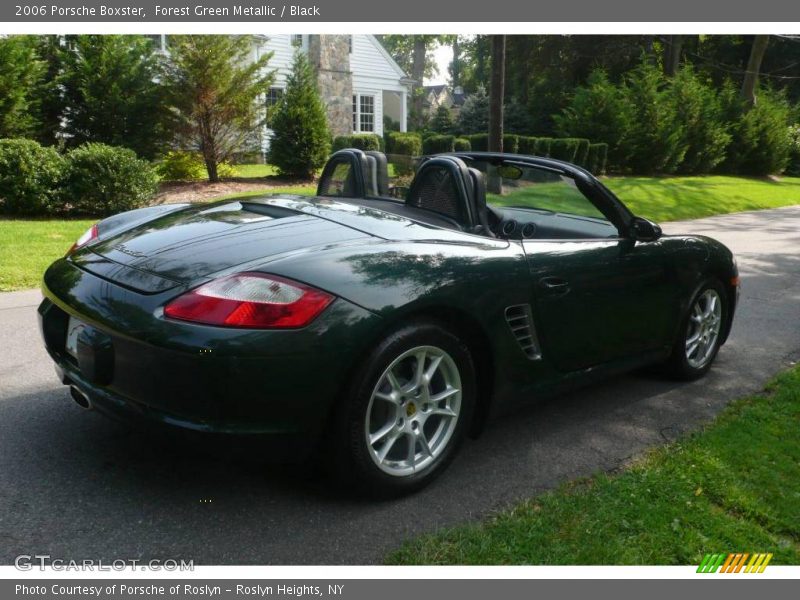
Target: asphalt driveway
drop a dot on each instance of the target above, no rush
(75, 486)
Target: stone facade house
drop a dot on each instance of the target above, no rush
(359, 81)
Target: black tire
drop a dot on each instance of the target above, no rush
(679, 365)
(355, 465)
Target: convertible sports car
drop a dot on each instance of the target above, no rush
(380, 325)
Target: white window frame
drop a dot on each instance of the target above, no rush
(357, 113)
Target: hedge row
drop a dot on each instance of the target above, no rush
(405, 143)
(91, 179)
(362, 141)
(579, 151)
(480, 142)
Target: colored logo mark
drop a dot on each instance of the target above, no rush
(735, 563)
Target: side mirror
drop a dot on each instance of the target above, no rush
(644, 230)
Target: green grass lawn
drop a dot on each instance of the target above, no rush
(255, 170)
(27, 247)
(667, 198)
(733, 487)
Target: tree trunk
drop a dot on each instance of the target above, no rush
(208, 150)
(672, 55)
(496, 94)
(750, 82)
(418, 75)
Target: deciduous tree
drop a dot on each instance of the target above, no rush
(215, 87)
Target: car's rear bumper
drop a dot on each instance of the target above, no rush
(134, 364)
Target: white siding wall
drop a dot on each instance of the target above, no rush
(283, 52)
(373, 73)
(370, 67)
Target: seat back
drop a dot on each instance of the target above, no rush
(443, 185)
(345, 175)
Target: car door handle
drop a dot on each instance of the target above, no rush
(554, 285)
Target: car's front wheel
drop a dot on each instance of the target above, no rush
(407, 409)
(701, 332)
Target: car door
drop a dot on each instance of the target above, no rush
(598, 300)
(597, 295)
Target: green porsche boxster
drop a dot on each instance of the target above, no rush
(380, 325)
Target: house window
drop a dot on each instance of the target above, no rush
(297, 40)
(363, 114)
(274, 96)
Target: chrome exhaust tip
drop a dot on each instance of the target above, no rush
(80, 398)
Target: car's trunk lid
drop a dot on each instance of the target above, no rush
(190, 244)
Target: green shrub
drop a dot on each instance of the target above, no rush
(104, 180)
(438, 143)
(510, 143)
(442, 121)
(478, 141)
(565, 149)
(362, 141)
(30, 176)
(582, 152)
(407, 144)
(180, 165)
(700, 110)
(517, 118)
(761, 143)
(526, 144)
(474, 115)
(655, 140)
(543, 146)
(300, 140)
(601, 112)
(596, 158)
(461, 145)
(794, 156)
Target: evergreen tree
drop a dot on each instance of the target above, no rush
(113, 94)
(20, 74)
(442, 121)
(49, 91)
(474, 115)
(216, 86)
(599, 111)
(301, 140)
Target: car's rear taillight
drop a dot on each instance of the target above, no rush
(253, 300)
(89, 235)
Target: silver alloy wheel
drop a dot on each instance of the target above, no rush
(413, 411)
(705, 321)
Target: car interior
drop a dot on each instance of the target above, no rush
(451, 192)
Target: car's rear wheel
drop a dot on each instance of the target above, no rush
(407, 409)
(701, 332)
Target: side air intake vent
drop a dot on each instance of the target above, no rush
(520, 321)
